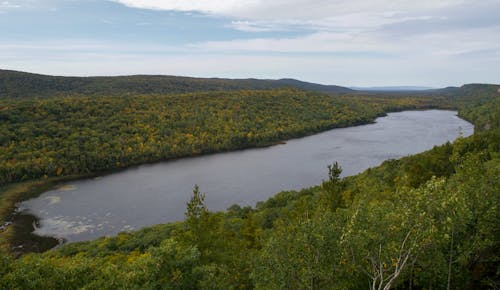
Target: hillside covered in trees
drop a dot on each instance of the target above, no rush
(425, 221)
(46, 137)
(14, 84)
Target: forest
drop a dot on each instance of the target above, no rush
(47, 137)
(428, 221)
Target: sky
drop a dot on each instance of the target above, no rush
(435, 43)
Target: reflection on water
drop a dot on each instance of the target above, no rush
(157, 193)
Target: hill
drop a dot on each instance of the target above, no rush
(15, 84)
(392, 88)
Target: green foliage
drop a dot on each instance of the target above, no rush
(196, 208)
(81, 135)
(168, 266)
(424, 221)
(484, 116)
(334, 172)
(333, 188)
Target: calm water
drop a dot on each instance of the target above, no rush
(157, 193)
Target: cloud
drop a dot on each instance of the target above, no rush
(291, 9)
(325, 42)
(329, 15)
(253, 26)
(355, 21)
(9, 4)
(12, 5)
(437, 43)
(225, 7)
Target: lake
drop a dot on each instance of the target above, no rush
(157, 193)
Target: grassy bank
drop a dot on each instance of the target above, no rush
(16, 235)
(9, 196)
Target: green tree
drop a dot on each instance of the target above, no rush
(332, 189)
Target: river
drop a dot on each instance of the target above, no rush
(157, 193)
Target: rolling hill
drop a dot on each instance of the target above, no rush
(15, 84)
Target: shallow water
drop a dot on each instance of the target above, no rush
(157, 193)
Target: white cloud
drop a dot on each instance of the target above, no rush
(225, 7)
(291, 9)
(253, 26)
(316, 42)
(457, 42)
(12, 5)
(17, 3)
(352, 22)
(8, 4)
(312, 15)
(449, 43)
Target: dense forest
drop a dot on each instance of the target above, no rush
(425, 221)
(46, 137)
(14, 84)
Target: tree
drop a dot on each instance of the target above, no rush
(196, 207)
(196, 217)
(301, 255)
(332, 189)
(334, 172)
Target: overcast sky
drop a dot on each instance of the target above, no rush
(351, 43)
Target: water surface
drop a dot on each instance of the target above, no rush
(157, 193)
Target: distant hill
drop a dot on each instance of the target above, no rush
(17, 84)
(477, 92)
(393, 88)
(313, 86)
(468, 93)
